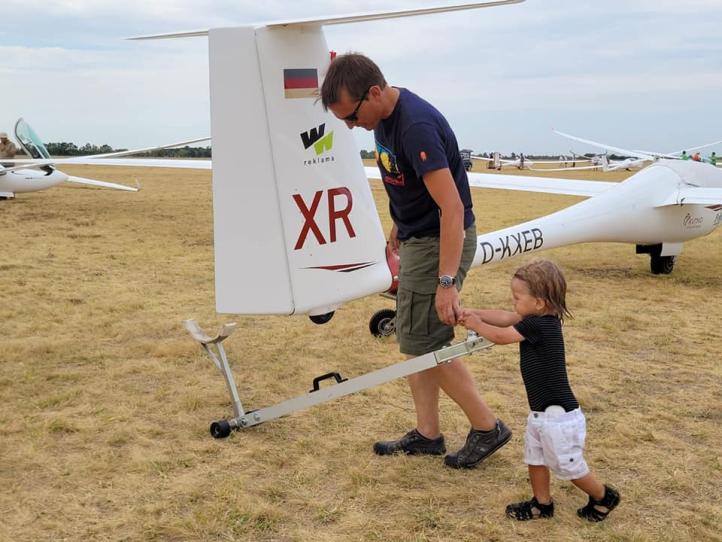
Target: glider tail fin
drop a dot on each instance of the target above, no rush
(296, 227)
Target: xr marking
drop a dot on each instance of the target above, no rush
(334, 214)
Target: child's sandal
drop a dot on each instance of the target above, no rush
(598, 510)
(532, 509)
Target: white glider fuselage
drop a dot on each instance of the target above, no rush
(637, 211)
(29, 180)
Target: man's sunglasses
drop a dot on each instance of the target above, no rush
(353, 116)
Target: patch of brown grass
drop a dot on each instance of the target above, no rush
(106, 401)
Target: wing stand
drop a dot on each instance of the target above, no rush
(318, 395)
(219, 429)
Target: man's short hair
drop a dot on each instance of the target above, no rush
(352, 71)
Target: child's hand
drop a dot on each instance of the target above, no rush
(462, 316)
(469, 319)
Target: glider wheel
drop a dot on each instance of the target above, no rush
(220, 429)
(383, 323)
(661, 265)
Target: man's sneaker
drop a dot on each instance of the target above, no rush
(479, 445)
(411, 443)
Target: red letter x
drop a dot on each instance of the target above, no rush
(310, 223)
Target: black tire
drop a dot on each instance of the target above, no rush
(661, 265)
(321, 318)
(383, 323)
(220, 429)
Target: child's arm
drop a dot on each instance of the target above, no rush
(496, 334)
(496, 317)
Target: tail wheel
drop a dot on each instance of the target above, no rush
(321, 318)
(383, 323)
(220, 429)
(662, 265)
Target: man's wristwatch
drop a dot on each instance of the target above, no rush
(445, 281)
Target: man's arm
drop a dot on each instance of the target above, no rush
(442, 189)
(393, 238)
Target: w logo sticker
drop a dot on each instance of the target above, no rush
(316, 137)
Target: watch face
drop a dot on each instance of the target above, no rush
(446, 281)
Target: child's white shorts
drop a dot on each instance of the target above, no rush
(557, 442)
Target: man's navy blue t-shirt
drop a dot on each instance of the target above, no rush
(414, 140)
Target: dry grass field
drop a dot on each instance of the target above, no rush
(105, 400)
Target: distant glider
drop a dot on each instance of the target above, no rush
(39, 172)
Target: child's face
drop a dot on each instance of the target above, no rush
(524, 303)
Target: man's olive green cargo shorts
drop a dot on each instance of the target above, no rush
(418, 328)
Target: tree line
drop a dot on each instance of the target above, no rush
(71, 149)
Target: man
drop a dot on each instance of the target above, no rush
(435, 236)
(7, 149)
(713, 158)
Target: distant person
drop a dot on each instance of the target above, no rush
(712, 158)
(684, 156)
(697, 157)
(8, 149)
(556, 428)
(434, 233)
(521, 160)
(561, 161)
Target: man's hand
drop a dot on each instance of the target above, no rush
(447, 305)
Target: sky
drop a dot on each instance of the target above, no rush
(639, 74)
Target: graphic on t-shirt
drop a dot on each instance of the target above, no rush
(387, 162)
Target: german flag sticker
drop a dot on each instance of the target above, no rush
(423, 156)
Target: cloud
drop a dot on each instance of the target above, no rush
(508, 70)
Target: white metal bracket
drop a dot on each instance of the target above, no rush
(220, 360)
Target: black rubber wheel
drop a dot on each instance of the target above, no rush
(661, 265)
(321, 318)
(220, 429)
(383, 323)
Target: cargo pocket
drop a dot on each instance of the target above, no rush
(570, 464)
(412, 312)
(421, 305)
(403, 311)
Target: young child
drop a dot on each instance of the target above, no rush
(556, 428)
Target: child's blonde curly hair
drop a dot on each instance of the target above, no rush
(546, 281)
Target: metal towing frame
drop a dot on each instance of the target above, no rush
(343, 386)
